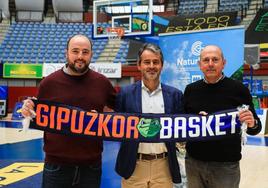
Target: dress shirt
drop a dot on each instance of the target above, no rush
(152, 102)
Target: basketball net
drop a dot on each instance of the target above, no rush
(115, 33)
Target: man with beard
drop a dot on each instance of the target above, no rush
(74, 161)
(145, 165)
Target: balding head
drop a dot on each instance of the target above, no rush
(79, 36)
(212, 63)
(211, 48)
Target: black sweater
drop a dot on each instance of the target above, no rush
(223, 95)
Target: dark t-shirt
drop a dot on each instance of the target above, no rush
(91, 91)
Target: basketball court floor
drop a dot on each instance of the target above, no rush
(21, 159)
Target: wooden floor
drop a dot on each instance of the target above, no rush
(18, 145)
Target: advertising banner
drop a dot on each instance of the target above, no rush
(49, 68)
(12, 70)
(257, 32)
(110, 70)
(181, 53)
(1, 70)
(194, 22)
(264, 51)
(63, 119)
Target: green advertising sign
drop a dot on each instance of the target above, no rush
(12, 70)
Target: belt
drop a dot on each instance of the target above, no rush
(149, 157)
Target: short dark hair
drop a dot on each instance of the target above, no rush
(68, 42)
(151, 47)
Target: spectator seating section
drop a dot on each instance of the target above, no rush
(265, 3)
(231, 5)
(46, 43)
(122, 52)
(191, 7)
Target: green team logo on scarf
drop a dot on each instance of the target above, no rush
(149, 127)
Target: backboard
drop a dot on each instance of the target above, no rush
(134, 16)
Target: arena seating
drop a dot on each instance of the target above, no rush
(190, 7)
(265, 3)
(31, 42)
(122, 52)
(230, 5)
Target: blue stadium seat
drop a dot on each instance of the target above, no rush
(266, 3)
(189, 7)
(230, 5)
(39, 42)
(5, 55)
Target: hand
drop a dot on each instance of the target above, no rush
(246, 116)
(28, 108)
(107, 109)
(203, 113)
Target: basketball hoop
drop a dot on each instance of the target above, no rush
(115, 33)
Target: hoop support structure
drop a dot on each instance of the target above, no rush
(115, 33)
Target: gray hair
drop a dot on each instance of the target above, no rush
(151, 47)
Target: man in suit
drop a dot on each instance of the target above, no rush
(148, 164)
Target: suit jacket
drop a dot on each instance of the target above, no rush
(129, 101)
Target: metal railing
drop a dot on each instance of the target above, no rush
(29, 16)
(70, 16)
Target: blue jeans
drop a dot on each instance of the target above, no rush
(59, 176)
(203, 174)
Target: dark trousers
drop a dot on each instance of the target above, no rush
(203, 174)
(58, 176)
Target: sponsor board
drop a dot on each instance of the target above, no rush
(110, 70)
(182, 50)
(12, 70)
